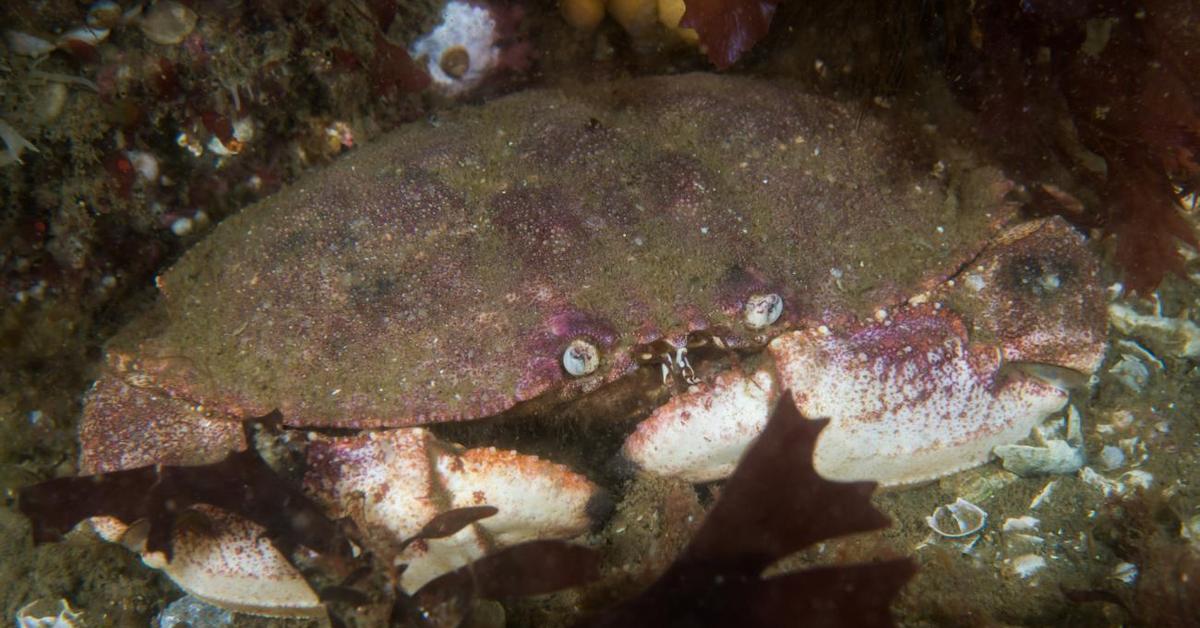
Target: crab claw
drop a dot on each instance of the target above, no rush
(226, 561)
(922, 393)
(700, 435)
(908, 401)
(392, 483)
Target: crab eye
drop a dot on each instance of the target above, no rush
(762, 310)
(581, 358)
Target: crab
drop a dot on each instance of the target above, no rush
(675, 250)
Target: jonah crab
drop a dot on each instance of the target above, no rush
(675, 250)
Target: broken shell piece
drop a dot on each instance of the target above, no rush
(1132, 372)
(1125, 572)
(1052, 457)
(1026, 565)
(1057, 457)
(967, 519)
(1043, 496)
(1136, 479)
(191, 611)
(14, 144)
(1021, 524)
(88, 35)
(48, 613)
(1176, 337)
(1123, 486)
(26, 44)
(1112, 457)
(1190, 530)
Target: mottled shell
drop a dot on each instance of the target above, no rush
(440, 272)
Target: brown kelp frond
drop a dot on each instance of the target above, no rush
(774, 504)
(1148, 224)
(728, 28)
(242, 483)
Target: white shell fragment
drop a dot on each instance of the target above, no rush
(1026, 565)
(958, 520)
(48, 613)
(26, 44)
(1021, 524)
(908, 400)
(1112, 457)
(699, 436)
(1125, 572)
(14, 144)
(581, 358)
(1176, 337)
(1054, 456)
(1124, 485)
(762, 310)
(1132, 372)
(88, 35)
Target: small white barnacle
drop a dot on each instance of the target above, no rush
(762, 310)
(581, 358)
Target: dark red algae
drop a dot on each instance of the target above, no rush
(774, 505)
(242, 483)
(728, 28)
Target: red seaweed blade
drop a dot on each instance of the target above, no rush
(728, 28)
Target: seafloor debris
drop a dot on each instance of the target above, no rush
(1051, 455)
(967, 519)
(774, 504)
(48, 613)
(1173, 337)
(14, 144)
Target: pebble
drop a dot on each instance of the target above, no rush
(182, 226)
(168, 23)
(1112, 457)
